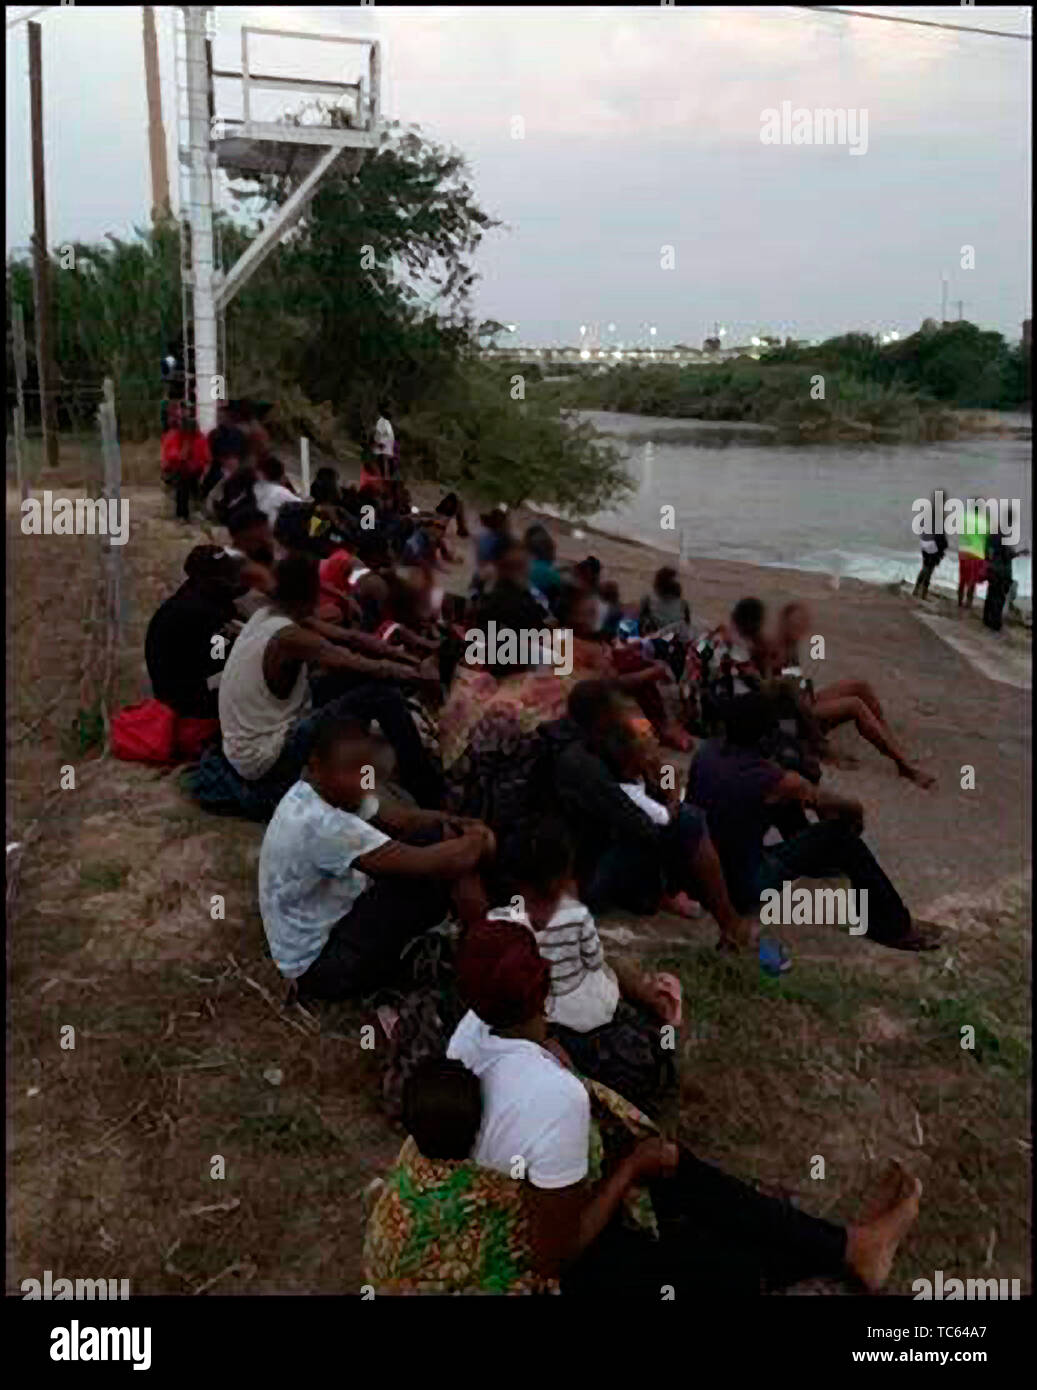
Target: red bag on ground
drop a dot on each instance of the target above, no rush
(144, 733)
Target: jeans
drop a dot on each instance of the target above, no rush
(716, 1236)
(633, 877)
(830, 849)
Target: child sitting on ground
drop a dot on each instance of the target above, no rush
(419, 1238)
(585, 988)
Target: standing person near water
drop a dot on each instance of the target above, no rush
(972, 546)
(999, 574)
(934, 544)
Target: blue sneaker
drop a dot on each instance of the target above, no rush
(774, 959)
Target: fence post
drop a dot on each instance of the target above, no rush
(304, 462)
(112, 553)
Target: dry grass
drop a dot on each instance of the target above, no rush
(179, 1034)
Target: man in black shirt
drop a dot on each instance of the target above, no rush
(183, 661)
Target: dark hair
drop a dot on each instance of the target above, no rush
(667, 583)
(210, 564)
(748, 719)
(619, 740)
(501, 974)
(244, 517)
(271, 468)
(509, 606)
(373, 550)
(297, 579)
(565, 605)
(590, 700)
(324, 487)
(591, 567)
(442, 1108)
(540, 543)
(448, 506)
(237, 492)
(332, 733)
(747, 616)
(543, 855)
(293, 531)
(226, 441)
(384, 405)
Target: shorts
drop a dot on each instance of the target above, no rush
(971, 569)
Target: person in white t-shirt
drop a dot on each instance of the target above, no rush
(339, 895)
(384, 441)
(715, 1234)
(269, 489)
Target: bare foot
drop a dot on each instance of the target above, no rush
(889, 1215)
(925, 780)
(682, 906)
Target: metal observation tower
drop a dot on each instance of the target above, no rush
(244, 146)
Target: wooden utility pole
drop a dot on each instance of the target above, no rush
(40, 260)
(20, 365)
(156, 130)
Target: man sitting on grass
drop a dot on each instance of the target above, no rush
(265, 698)
(347, 878)
(744, 794)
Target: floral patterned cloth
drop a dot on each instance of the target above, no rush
(446, 1227)
(521, 703)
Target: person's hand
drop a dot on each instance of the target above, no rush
(476, 830)
(427, 673)
(655, 1158)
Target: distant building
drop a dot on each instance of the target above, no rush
(711, 345)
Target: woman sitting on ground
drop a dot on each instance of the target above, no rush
(696, 1229)
(842, 702)
(488, 724)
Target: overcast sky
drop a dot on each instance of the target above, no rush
(640, 130)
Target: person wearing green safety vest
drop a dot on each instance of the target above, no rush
(972, 547)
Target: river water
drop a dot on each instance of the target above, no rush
(840, 509)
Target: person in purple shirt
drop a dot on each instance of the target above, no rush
(743, 794)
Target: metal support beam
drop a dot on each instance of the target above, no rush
(198, 120)
(250, 261)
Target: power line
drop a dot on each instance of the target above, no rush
(925, 23)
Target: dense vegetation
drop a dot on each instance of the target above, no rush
(907, 389)
(369, 297)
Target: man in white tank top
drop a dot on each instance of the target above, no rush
(265, 701)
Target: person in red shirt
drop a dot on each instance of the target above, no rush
(185, 458)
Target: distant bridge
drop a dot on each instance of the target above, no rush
(608, 357)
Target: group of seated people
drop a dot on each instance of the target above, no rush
(423, 807)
